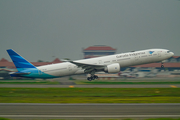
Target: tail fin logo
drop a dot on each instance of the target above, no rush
(19, 61)
(151, 52)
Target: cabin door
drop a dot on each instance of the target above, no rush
(40, 72)
(159, 54)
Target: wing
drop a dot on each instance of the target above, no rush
(88, 68)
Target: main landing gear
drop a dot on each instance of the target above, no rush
(92, 77)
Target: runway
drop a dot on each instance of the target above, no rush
(28, 110)
(90, 86)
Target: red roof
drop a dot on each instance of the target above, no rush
(7, 64)
(3, 60)
(99, 48)
(176, 56)
(56, 61)
(40, 63)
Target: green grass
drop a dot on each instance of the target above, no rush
(89, 95)
(4, 118)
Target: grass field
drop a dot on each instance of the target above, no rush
(89, 95)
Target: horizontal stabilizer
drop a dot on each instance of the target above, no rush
(19, 73)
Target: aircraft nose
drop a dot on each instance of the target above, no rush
(172, 53)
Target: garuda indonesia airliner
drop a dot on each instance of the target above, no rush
(109, 64)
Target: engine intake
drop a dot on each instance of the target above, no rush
(113, 68)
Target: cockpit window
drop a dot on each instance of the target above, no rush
(168, 51)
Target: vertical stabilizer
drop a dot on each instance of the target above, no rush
(19, 62)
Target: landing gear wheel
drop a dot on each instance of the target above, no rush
(89, 79)
(95, 76)
(92, 78)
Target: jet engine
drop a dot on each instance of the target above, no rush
(112, 68)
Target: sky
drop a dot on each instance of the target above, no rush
(49, 29)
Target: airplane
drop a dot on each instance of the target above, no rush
(108, 64)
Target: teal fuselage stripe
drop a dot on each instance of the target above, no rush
(35, 73)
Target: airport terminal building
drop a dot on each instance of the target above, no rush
(98, 51)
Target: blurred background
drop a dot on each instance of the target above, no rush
(46, 31)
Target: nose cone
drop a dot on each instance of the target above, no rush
(172, 54)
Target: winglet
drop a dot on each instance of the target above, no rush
(19, 61)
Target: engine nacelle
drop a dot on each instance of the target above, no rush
(113, 68)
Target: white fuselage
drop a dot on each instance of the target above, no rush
(124, 59)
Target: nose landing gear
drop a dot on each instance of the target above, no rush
(162, 65)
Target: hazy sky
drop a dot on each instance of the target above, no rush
(45, 29)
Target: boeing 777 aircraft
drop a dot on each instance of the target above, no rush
(109, 64)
